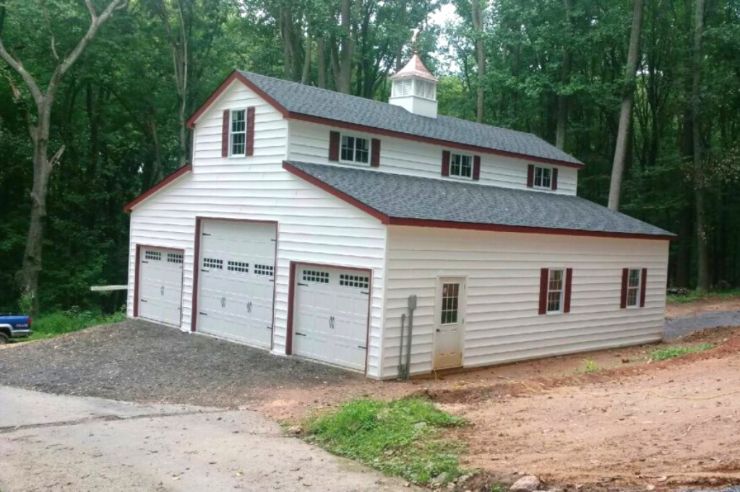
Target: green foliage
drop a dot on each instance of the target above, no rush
(59, 322)
(402, 437)
(695, 295)
(590, 366)
(678, 351)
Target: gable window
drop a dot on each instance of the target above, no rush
(355, 149)
(633, 287)
(555, 291)
(238, 133)
(461, 166)
(542, 177)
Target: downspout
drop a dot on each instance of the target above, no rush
(400, 348)
(412, 307)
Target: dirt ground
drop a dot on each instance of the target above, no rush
(707, 305)
(628, 424)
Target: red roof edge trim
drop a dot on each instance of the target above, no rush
(523, 229)
(339, 194)
(163, 183)
(235, 75)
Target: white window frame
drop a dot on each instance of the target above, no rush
(355, 162)
(636, 288)
(232, 132)
(562, 291)
(459, 176)
(542, 170)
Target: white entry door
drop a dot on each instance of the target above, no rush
(160, 285)
(450, 323)
(331, 314)
(235, 281)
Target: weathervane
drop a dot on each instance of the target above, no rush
(415, 38)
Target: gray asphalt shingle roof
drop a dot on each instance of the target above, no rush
(322, 103)
(412, 197)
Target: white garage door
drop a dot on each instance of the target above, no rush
(160, 285)
(236, 278)
(330, 315)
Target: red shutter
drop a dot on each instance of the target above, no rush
(250, 130)
(225, 134)
(445, 163)
(530, 175)
(623, 299)
(476, 168)
(554, 178)
(643, 284)
(375, 153)
(568, 289)
(543, 290)
(333, 146)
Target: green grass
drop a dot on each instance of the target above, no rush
(678, 351)
(696, 296)
(60, 322)
(402, 437)
(590, 366)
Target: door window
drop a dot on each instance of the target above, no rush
(450, 303)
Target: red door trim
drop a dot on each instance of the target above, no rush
(196, 268)
(137, 274)
(291, 301)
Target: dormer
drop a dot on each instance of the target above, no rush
(414, 88)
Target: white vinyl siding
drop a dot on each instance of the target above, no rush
(314, 226)
(309, 142)
(503, 284)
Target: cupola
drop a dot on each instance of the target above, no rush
(414, 88)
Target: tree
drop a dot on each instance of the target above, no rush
(625, 112)
(480, 55)
(38, 129)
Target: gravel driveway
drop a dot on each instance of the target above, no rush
(145, 362)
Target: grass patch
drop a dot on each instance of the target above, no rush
(401, 437)
(59, 322)
(590, 366)
(696, 296)
(678, 351)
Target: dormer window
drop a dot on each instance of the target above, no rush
(542, 177)
(461, 166)
(355, 150)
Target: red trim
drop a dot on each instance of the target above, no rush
(250, 131)
(568, 289)
(225, 118)
(530, 176)
(623, 294)
(375, 153)
(554, 181)
(643, 285)
(162, 184)
(196, 266)
(137, 274)
(333, 191)
(476, 167)
(400, 221)
(352, 126)
(291, 301)
(544, 276)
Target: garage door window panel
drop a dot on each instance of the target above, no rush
(237, 266)
(316, 276)
(153, 255)
(359, 281)
(264, 270)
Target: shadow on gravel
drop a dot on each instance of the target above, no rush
(139, 361)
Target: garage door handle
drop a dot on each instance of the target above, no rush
(362, 347)
(143, 300)
(302, 285)
(300, 334)
(202, 313)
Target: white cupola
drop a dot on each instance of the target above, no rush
(414, 88)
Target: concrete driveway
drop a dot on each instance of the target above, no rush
(53, 442)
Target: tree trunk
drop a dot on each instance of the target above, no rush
(562, 111)
(344, 62)
(480, 57)
(321, 62)
(625, 113)
(702, 250)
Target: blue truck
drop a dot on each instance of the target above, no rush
(14, 326)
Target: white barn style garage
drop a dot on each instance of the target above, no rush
(385, 238)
